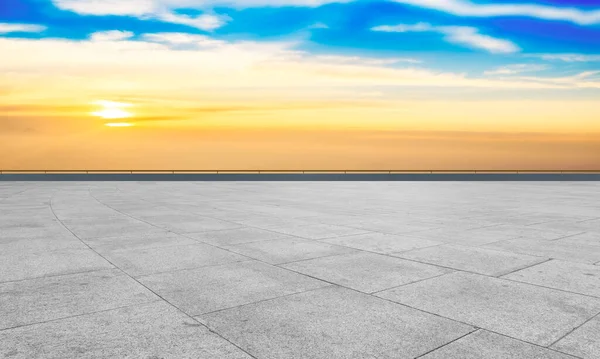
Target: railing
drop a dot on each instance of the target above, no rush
(522, 171)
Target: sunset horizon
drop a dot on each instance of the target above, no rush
(259, 85)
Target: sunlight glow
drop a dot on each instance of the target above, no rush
(112, 110)
(119, 124)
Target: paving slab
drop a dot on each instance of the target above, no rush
(394, 226)
(214, 288)
(27, 265)
(572, 277)
(472, 259)
(93, 231)
(574, 252)
(570, 225)
(317, 231)
(483, 344)
(467, 237)
(533, 314)
(144, 261)
(366, 272)
(139, 241)
(188, 223)
(149, 331)
(382, 243)
(583, 342)
(43, 299)
(333, 323)
(18, 246)
(286, 250)
(587, 238)
(532, 232)
(236, 236)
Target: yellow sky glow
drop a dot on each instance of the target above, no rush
(263, 105)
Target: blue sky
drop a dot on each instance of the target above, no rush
(340, 27)
(539, 40)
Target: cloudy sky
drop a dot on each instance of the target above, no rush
(299, 84)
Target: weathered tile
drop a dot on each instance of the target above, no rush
(484, 344)
(42, 299)
(27, 265)
(382, 243)
(188, 223)
(155, 330)
(587, 238)
(288, 250)
(366, 272)
(552, 249)
(333, 323)
(317, 231)
(534, 314)
(572, 277)
(583, 341)
(207, 289)
(140, 241)
(472, 259)
(469, 237)
(236, 236)
(143, 261)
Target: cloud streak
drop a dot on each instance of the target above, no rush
(146, 9)
(470, 9)
(460, 35)
(7, 28)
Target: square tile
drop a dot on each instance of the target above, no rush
(571, 277)
(366, 272)
(573, 252)
(317, 231)
(144, 261)
(584, 342)
(533, 314)
(472, 259)
(27, 265)
(286, 250)
(468, 237)
(188, 224)
(333, 323)
(155, 330)
(208, 289)
(236, 236)
(43, 299)
(139, 241)
(382, 243)
(484, 344)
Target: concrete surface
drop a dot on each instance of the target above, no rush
(277, 270)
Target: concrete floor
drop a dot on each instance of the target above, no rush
(303, 270)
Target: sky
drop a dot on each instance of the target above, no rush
(299, 84)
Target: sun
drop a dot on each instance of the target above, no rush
(112, 110)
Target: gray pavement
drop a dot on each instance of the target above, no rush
(277, 270)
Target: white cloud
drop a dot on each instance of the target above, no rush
(419, 27)
(108, 67)
(146, 9)
(108, 7)
(113, 35)
(177, 38)
(364, 60)
(468, 8)
(569, 57)
(207, 22)
(461, 35)
(517, 69)
(6, 28)
(151, 8)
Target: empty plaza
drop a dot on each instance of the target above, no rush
(300, 270)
